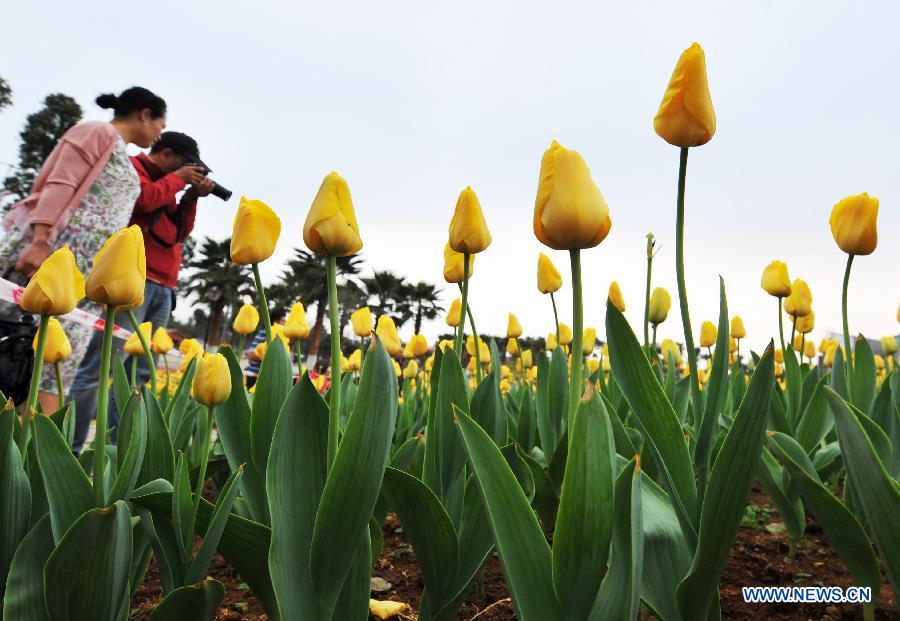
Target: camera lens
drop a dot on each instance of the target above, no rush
(221, 192)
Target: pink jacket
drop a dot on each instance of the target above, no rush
(65, 177)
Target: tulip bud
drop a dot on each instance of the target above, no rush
(387, 332)
(56, 346)
(798, 343)
(854, 224)
(708, 334)
(660, 303)
(779, 356)
(468, 230)
(56, 287)
(295, 327)
(513, 328)
(411, 370)
(161, 342)
(588, 341)
(453, 265)
(569, 210)
(593, 364)
(429, 363)
(526, 359)
(397, 370)
(732, 345)
(565, 334)
(361, 320)
(550, 342)
(254, 233)
(512, 347)
(417, 346)
(799, 302)
(686, 117)
(278, 330)
(737, 328)
(775, 280)
(330, 227)
(354, 362)
(828, 358)
(246, 320)
(889, 345)
(454, 313)
(190, 348)
(260, 350)
(809, 349)
(615, 296)
(212, 381)
(806, 323)
(133, 345)
(548, 277)
(119, 273)
(668, 346)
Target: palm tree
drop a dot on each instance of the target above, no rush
(423, 298)
(217, 282)
(304, 278)
(391, 294)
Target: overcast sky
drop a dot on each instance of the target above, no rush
(411, 101)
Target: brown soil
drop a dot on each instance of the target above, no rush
(759, 557)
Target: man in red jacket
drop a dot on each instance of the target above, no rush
(172, 165)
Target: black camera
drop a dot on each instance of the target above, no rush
(219, 190)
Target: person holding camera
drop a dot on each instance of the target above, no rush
(172, 165)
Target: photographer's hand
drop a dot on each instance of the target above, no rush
(191, 174)
(204, 188)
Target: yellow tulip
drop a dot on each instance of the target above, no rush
(212, 381)
(828, 358)
(569, 210)
(708, 334)
(254, 233)
(454, 313)
(246, 320)
(587, 341)
(354, 362)
(779, 369)
(386, 609)
(686, 117)
(505, 385)
(512, 347)
(260, 350)
(799, 302)
(453, 265)
(505, 371)
(513, 328)
(411, 370)
(295, 327)
(56, 287)
(429, 363)
(278, 330)
(550, 342)
(879, 363)
(737, 327)
(593, 364)
(56, 346)
(732, 345)
(798, 342)
(548, 277)
(660, 303)
(361, 320)
(119, 273)
(468, 230)
(330, 227)
(565, 334)
(387, 332)
(526, 358)
(888, 345)
(484, 352)
(345, 364)
(668, 346)
(161, 342)
(806, 323)
(809, 349)
(779, 355)
(416, 347)
(854, 224)
(190, 348)
(397, 370)
(133, 344)
(615, 296)
(775, 280)
(444, 344)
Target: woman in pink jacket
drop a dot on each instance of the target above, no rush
(85, 191)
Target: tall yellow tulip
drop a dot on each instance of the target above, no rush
(246, 320)
(799, 302)
(565, 334)
(615, 296)
(708, 334)
(254, 233)
(588, 341)
(133, 344)
(56, 287)
(854, 224)
(889, 345)
(295, 327)
(453, 265)
(807, 323)
(809, 350)
(387, 332)
(119, 272)
(549, 279)
(57, 347)
(570, 213)
(660, 303)
(686, 117)
(775, 280)
(411, 370)
(212, 380)
(737, 327)
(512, 347)
(468, 230)
(161, 342)
(526, 358)
(361, 320)
(513, 327)
(453, 315)
(330, 227)
(417, 346)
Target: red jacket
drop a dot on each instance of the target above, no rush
(165, 222)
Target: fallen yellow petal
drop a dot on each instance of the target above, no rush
(386, 609)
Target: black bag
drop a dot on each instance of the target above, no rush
(16, 356)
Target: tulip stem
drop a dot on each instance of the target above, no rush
(362, 353)
(137, 330)
(848, 357)
(682, 290)
(134, 372)
(166, 364)
(334, 410)
(103, 404)
(780, 325)
(204, 460)
(802, 344)
(647, 298)
(794, 331)
(575, 387)
(460, 331)
(478, 372)
(555, 317)
(36, 372)
(60, 391)
(263, 303)
(240, 351)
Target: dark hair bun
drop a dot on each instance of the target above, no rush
(107, 100)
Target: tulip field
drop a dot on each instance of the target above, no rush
(579, 481)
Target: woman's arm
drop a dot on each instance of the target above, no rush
(34, 253)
